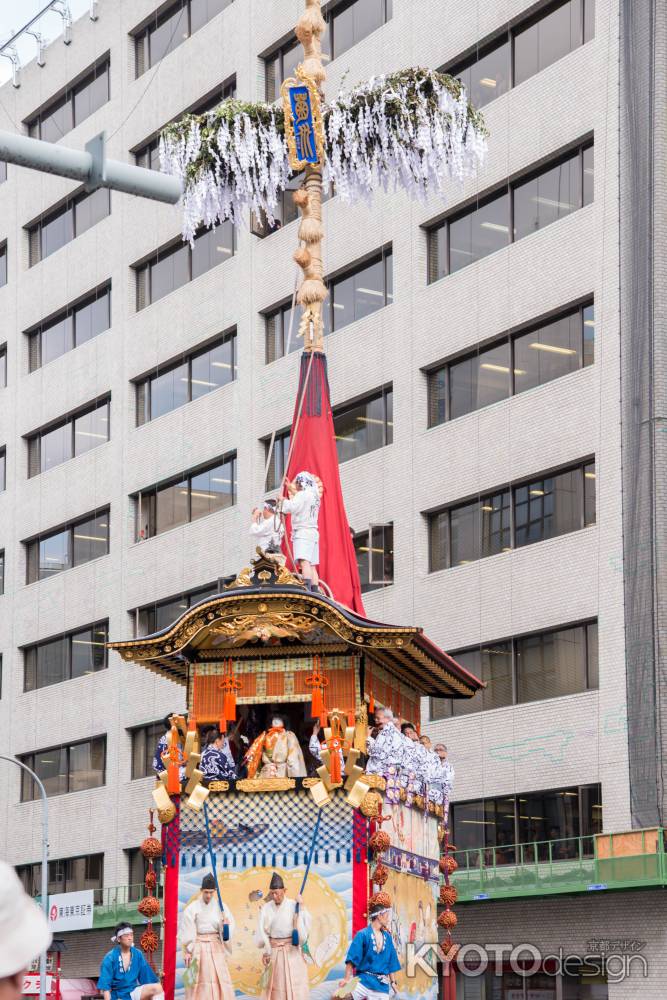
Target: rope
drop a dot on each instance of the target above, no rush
(225, 927)
(295, 932)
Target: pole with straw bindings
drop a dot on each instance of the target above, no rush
(313, 842)
(225, 926)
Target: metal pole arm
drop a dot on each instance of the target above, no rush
(90, 167)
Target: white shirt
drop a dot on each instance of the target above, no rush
(268, 531)
(204, 918)
(278, 922)
(304, 507)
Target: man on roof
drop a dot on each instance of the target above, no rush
(303, 503)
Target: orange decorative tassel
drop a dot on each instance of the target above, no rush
(192, 724)
(371, 704)
(222, 725)
(173, 779)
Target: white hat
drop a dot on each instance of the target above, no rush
(24, 930)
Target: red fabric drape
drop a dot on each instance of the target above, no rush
(314, 451)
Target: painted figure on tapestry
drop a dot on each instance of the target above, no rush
(125, 974)
(285, 976)
(372, 957)
(303, 504)
(275, 754)
(205, 944)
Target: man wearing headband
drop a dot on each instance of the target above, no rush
(125, 974)
(24, 933)
(202, 935)
(286, 975)
(372, 956)
(304, 506)
(267, 528)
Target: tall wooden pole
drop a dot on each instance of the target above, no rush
(312, 292)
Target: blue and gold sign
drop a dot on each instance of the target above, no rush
(303, 122)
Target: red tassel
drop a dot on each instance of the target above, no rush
(324, 715)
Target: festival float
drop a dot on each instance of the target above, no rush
(275, 653)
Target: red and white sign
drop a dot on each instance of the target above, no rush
(31, 985)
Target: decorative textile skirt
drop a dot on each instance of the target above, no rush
(214, 981)
(288, 978)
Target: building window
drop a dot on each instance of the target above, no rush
(196, 494)
(63, 769)
(3, 366)
(527, 668)
(65, 875)
(3, 264)
(78, 102)
(55, 229)
(74, 326)
(358, 291)
(515, 211)
(547, 823)
(278, 464)
(505, 518)
(375, 556)
(144, 741)
(66, 657)
(543, 352)
(148, 154)
(348, 23)
(183, 381)
(70, 546)
(177, 265)
(284, 212)
(280, 65)
(3, 470)
(364, 426)
(525, 50)
(2, 572)
(70, 438)
(167, 31)
(554, 505)
(3, 171)
(161, 614)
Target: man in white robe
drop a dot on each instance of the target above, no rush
(386, 750)
(286, 975)
(201, 932)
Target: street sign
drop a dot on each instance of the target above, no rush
(596, 887)
(71, 911)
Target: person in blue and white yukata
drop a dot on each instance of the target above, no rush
(303, 503)
(372, 956)
(217, 761)
(125, 974)
(161, 748)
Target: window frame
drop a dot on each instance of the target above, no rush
(143, 270)
(35, 230)
(4, 264)
(150, 495)
(485, 198)
(33, 871)
(34, 438)
(3, 469)
(29, 760)
(141, 35)
(511, 336)
(75, 87)
(153, 608)
(279, 441)
(382, 393)
(444, 709)
(145, 382)
(339, 8)
(70, 310)
(3, 570)
(3, 366)
(367, 535)
(68, 637)
(144, 730)
(69, 528)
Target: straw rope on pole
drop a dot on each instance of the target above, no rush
(312, 292)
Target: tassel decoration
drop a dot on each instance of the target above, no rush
(173, 777)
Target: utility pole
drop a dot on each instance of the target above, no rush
(45, 862)
(91, 167)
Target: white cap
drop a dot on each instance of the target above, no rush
(24, 930)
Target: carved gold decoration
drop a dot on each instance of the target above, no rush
(371, 804)
(310, 782)
(218, 786)
(287, 579)
(242, 580)
(272, 625)
(166, 815)
(376, 781)
(266, 784)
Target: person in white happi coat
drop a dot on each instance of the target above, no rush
(387, 748)
(201, 933)
(267, 529)
(442, 779)
(303, 504)
(287, 977)
(415, 759)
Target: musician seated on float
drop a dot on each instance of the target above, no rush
(217, 761)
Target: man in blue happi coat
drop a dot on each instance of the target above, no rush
(372, 956)
(125, 974)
